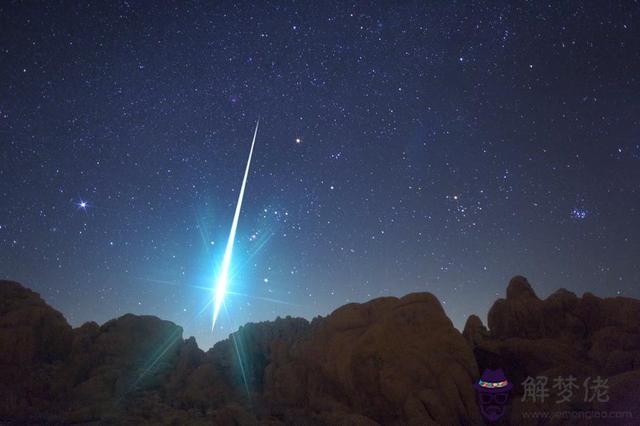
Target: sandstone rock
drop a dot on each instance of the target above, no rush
(112, 363)
(474, 331)
(390, 361)
(562, 335)
(35, 340)
(31, 331)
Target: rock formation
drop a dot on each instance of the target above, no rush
(390, 361)
(562, 336)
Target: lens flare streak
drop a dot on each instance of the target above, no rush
(223, 279)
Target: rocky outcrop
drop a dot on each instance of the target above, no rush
(365, 364)
(561, 336)
(35, 344)
(390, 361)
(110, 363)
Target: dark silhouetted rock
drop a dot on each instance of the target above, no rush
(35, 341)
(111, 363)
(390, 361)
(31, 332)
(562, 335)
(474, 331)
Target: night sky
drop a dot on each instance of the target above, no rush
(402, 147)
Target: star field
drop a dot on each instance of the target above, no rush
(402, 147)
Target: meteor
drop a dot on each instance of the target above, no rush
(223, 278)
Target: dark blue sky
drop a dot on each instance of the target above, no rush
(403, 147)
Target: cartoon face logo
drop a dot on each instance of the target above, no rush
(493, 393)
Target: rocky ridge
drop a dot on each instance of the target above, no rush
(390, 361)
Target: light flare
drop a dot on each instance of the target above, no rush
(223, 279)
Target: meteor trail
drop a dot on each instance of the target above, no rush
(223, 278)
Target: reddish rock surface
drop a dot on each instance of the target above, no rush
(35, 344)
(562, 336)
(390, 361)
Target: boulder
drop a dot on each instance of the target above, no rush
(35, 342)
(561, 336)
(386, 361)
(110, 364)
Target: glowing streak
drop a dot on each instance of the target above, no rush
(223, 278)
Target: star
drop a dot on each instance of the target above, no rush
(421, 152)
(578, 213)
